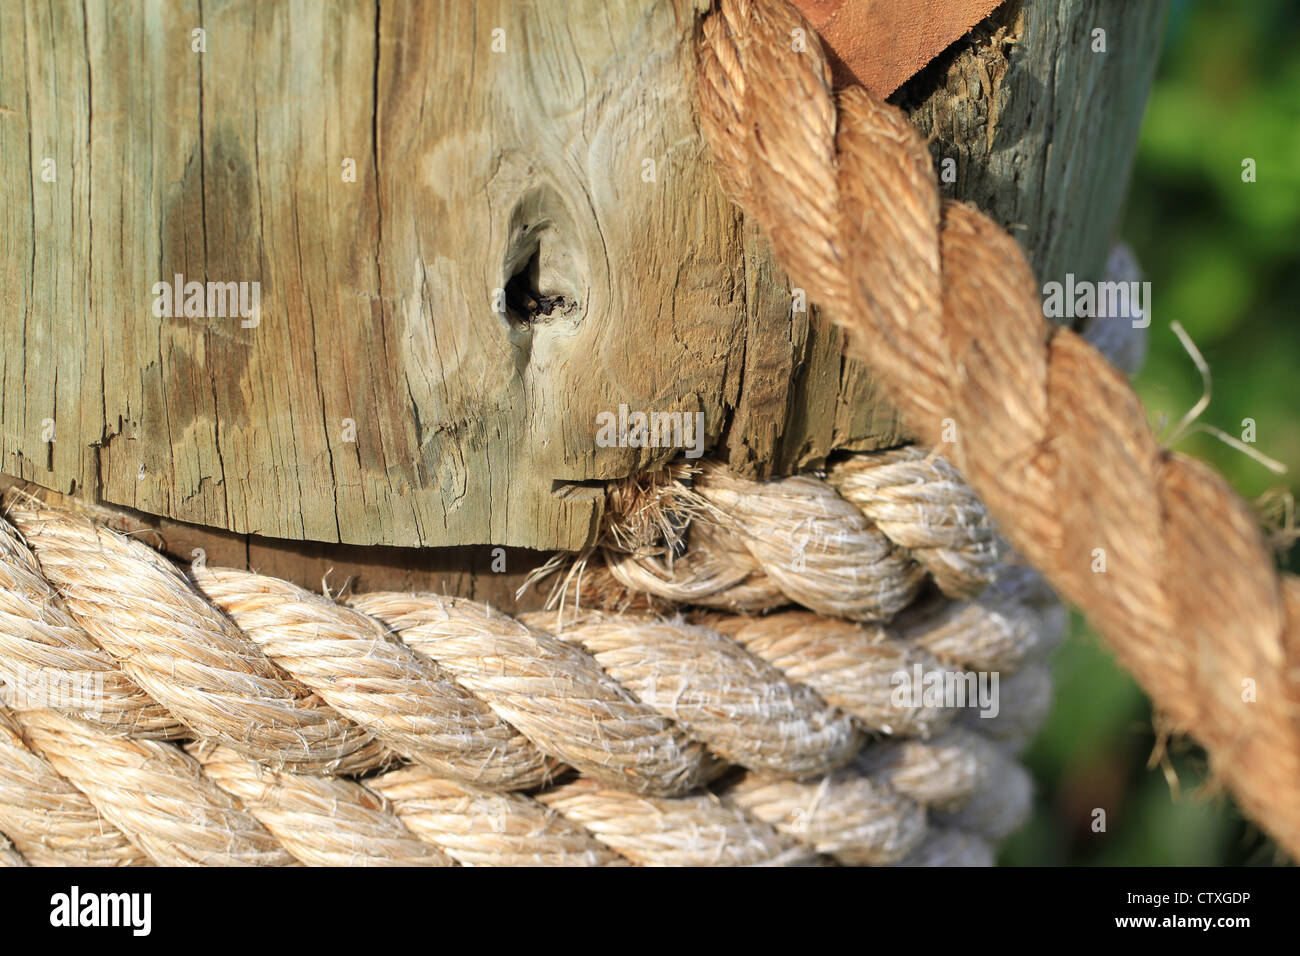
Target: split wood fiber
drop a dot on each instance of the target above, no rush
(381, 198)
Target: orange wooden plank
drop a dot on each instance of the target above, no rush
(882, 43)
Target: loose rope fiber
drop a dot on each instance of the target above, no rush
(408, 729)
(861, 553)
(941, 305)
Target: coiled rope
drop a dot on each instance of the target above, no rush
(941, 305)
(402, 729)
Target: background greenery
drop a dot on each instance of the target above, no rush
(1223, 257)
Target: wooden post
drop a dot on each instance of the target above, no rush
(1039, 109)
(473, 228)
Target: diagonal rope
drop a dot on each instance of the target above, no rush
(942, 306)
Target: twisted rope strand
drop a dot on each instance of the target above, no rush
(183, 652)
(816, 547)
(942, 773)
(50, 821)
(850, 665)
(920, 503)
(153, 793)
(857, 545)
(942, 306)
(321, 821)
(555, 694)
(481, 828)
(355, 664)
(694, 830)
(1001, 630)
(745, 710)
(845, 815)
(41, 645)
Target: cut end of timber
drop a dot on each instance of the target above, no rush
(883, 43)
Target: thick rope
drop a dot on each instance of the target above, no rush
(454, 699)
(147, 801)
(942, 306)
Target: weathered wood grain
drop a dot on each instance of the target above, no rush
(382, 398)
(470, 426)
(1043, 128)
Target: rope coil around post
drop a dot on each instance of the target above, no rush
(942, 307)
(387, 663)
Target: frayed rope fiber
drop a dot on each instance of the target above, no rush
(941, 305)
(233, 718)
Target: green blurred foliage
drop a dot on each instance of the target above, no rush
(1223, 257)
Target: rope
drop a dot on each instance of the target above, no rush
(53, 821)
(942, 306)
(862, 552)
(8, 855)
(305, 683)
(225, 809)
(285, 695)
(297, 706)
(238, 719)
